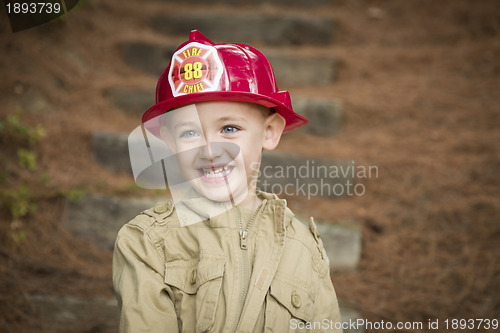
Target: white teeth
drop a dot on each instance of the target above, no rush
(215, 172)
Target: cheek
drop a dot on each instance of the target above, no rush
(252, 155)
(188, 144)
(251, 147)
(186, 157)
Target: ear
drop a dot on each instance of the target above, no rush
(166, 136)
(274, 126)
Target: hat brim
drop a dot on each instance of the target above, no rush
(293, 120)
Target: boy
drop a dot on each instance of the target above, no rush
(221, 256)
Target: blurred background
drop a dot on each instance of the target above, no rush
(411, 87)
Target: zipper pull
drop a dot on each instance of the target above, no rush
(243, 239)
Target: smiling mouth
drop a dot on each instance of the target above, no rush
(216, 174)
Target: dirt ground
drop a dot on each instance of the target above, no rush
(420, 87)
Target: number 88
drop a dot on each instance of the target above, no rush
(192, 70)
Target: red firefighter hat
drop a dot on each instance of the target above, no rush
(203, 71)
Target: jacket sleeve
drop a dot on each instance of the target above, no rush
(315, 271)
(144, 299)
(329, 315)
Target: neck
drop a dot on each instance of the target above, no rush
(251, 201)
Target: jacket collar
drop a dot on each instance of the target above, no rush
(195, 208)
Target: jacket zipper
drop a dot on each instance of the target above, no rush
(244, 255)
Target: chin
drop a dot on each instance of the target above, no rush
(221, 192)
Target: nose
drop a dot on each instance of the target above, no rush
(212, 150)
(219, 153)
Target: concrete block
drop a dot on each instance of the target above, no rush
(281, 173)
(64, 313)
(342, 244)
(148, 57)
(293, 70)
(285, 29)
(325, 116)
(288, 174)
(99, 314)
(296, 3)
(111, 151)
(350, 315)
(99, 218)
(287, 3)
(131, 101)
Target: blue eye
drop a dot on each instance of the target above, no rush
(188, 134)
(229, 129)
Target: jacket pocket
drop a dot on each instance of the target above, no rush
(288, 305)
(196, 285)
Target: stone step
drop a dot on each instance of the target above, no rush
(111, 151)
(64, 313)
(280, 173)
(298, 70)
(295, 175)
(290, 69)
(350, 316)
(342, 242)
(325, 115)
(249, 28)
(132, 101)
(286, 3)
(147, 57)
(98, 218)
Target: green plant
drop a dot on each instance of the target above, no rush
(19, 201)
(13, 128)
(16, 232)
(26, 159)
(15, 193)
(20, 204)
(75, 194)
(12, 123)
(45, 178)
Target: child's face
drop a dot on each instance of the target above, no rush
(219, 146)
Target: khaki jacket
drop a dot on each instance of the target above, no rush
(201, 278)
